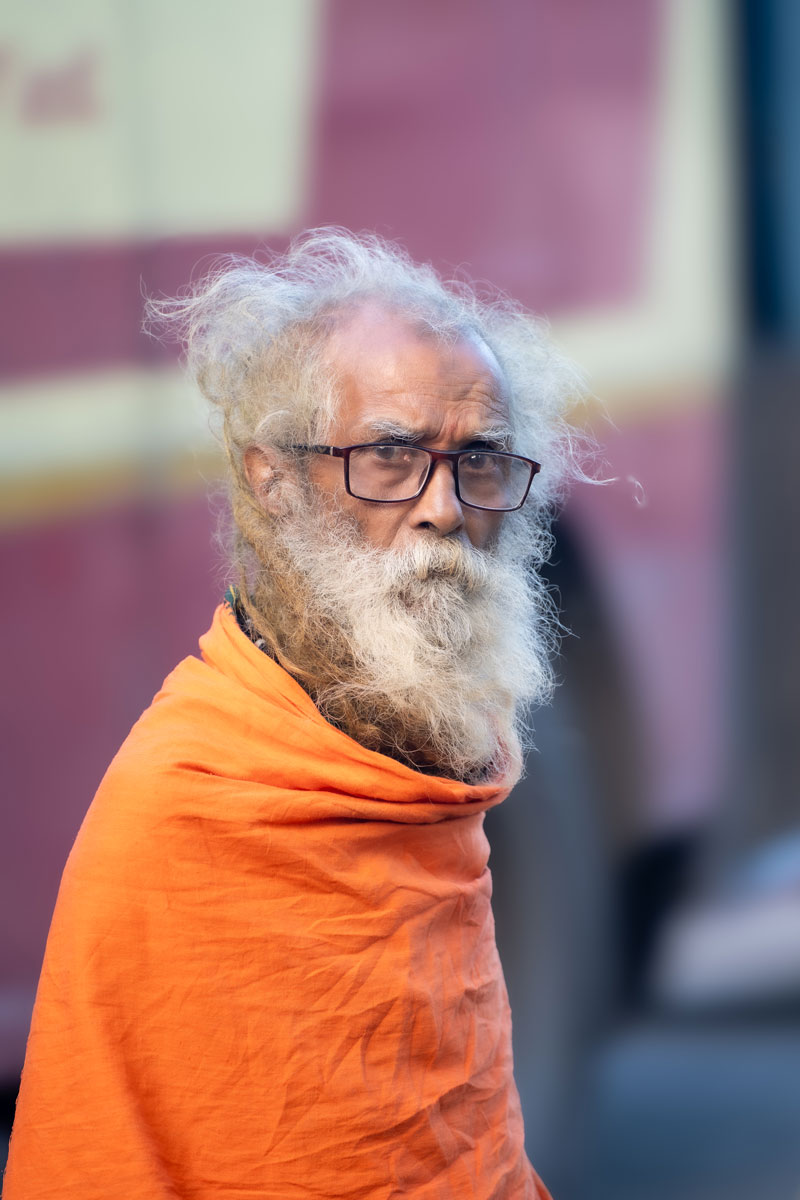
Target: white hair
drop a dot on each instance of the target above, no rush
(433, 655)
(255, 330)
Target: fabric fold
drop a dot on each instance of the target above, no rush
(272, 970)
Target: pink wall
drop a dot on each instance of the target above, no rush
(513, 139)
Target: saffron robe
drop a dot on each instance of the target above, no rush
(271, 971)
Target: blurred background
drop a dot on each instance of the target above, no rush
(631, 168)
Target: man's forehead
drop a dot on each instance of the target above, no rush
(373, 333)
(411, 418)
(388, 364)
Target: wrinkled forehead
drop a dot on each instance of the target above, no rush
(392, 361)
(372, 333)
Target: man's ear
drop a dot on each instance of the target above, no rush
(263, 470)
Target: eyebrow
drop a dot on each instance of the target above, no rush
(499, 436)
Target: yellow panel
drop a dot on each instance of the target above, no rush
(123, 119)
(85, 439)
(80, 421)
(680, 335)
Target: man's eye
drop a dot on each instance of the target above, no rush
(389, 454)
(479, 463)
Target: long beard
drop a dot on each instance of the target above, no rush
(431, 654)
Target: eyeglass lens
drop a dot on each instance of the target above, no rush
(391, 472)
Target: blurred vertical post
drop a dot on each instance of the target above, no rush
(766, 632)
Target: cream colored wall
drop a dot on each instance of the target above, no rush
(198, 119)
(122, 121)
(676, 340)
(125, 119)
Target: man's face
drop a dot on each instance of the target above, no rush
(396, 382)
(432, 650)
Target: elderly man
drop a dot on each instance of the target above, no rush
(272, 969)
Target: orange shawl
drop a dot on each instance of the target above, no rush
(271, 970)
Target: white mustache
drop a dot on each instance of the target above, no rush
(439, 558)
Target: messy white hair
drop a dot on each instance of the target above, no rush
(255, 330)
(433, 656)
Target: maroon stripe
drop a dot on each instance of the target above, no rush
(70, 307)
(512, 139)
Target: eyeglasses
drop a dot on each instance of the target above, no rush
(389, 473)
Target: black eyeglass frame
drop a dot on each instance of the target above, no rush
(436, 456)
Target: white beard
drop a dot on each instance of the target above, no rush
(445, 638)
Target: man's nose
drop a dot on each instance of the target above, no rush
(438, 508)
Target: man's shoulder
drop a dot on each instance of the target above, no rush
(221, 721)
(198, 724)
(210, 708)
(188, 758)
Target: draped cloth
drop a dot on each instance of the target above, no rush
(271, 971)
